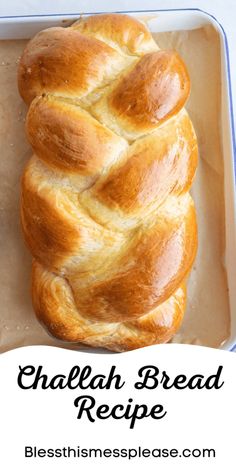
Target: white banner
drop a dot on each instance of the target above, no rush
(167, 407)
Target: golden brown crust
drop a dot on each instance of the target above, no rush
(57, 230)
(65, 62)
(157, 166)
(147, 274)
(46, 224)
(119, 31)
(55, 308)
(66, 136)
(105, 206)
(163, 86)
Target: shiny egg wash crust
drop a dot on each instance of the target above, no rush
(105, 204)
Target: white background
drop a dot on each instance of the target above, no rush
(223, 10)
(48, 418)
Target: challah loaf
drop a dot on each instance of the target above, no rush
(105, 206)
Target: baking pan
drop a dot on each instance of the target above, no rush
(162, 21)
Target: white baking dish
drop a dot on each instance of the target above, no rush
(163, 21)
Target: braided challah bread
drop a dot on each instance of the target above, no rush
(105, 206)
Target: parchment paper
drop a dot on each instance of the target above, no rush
(207, 317)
